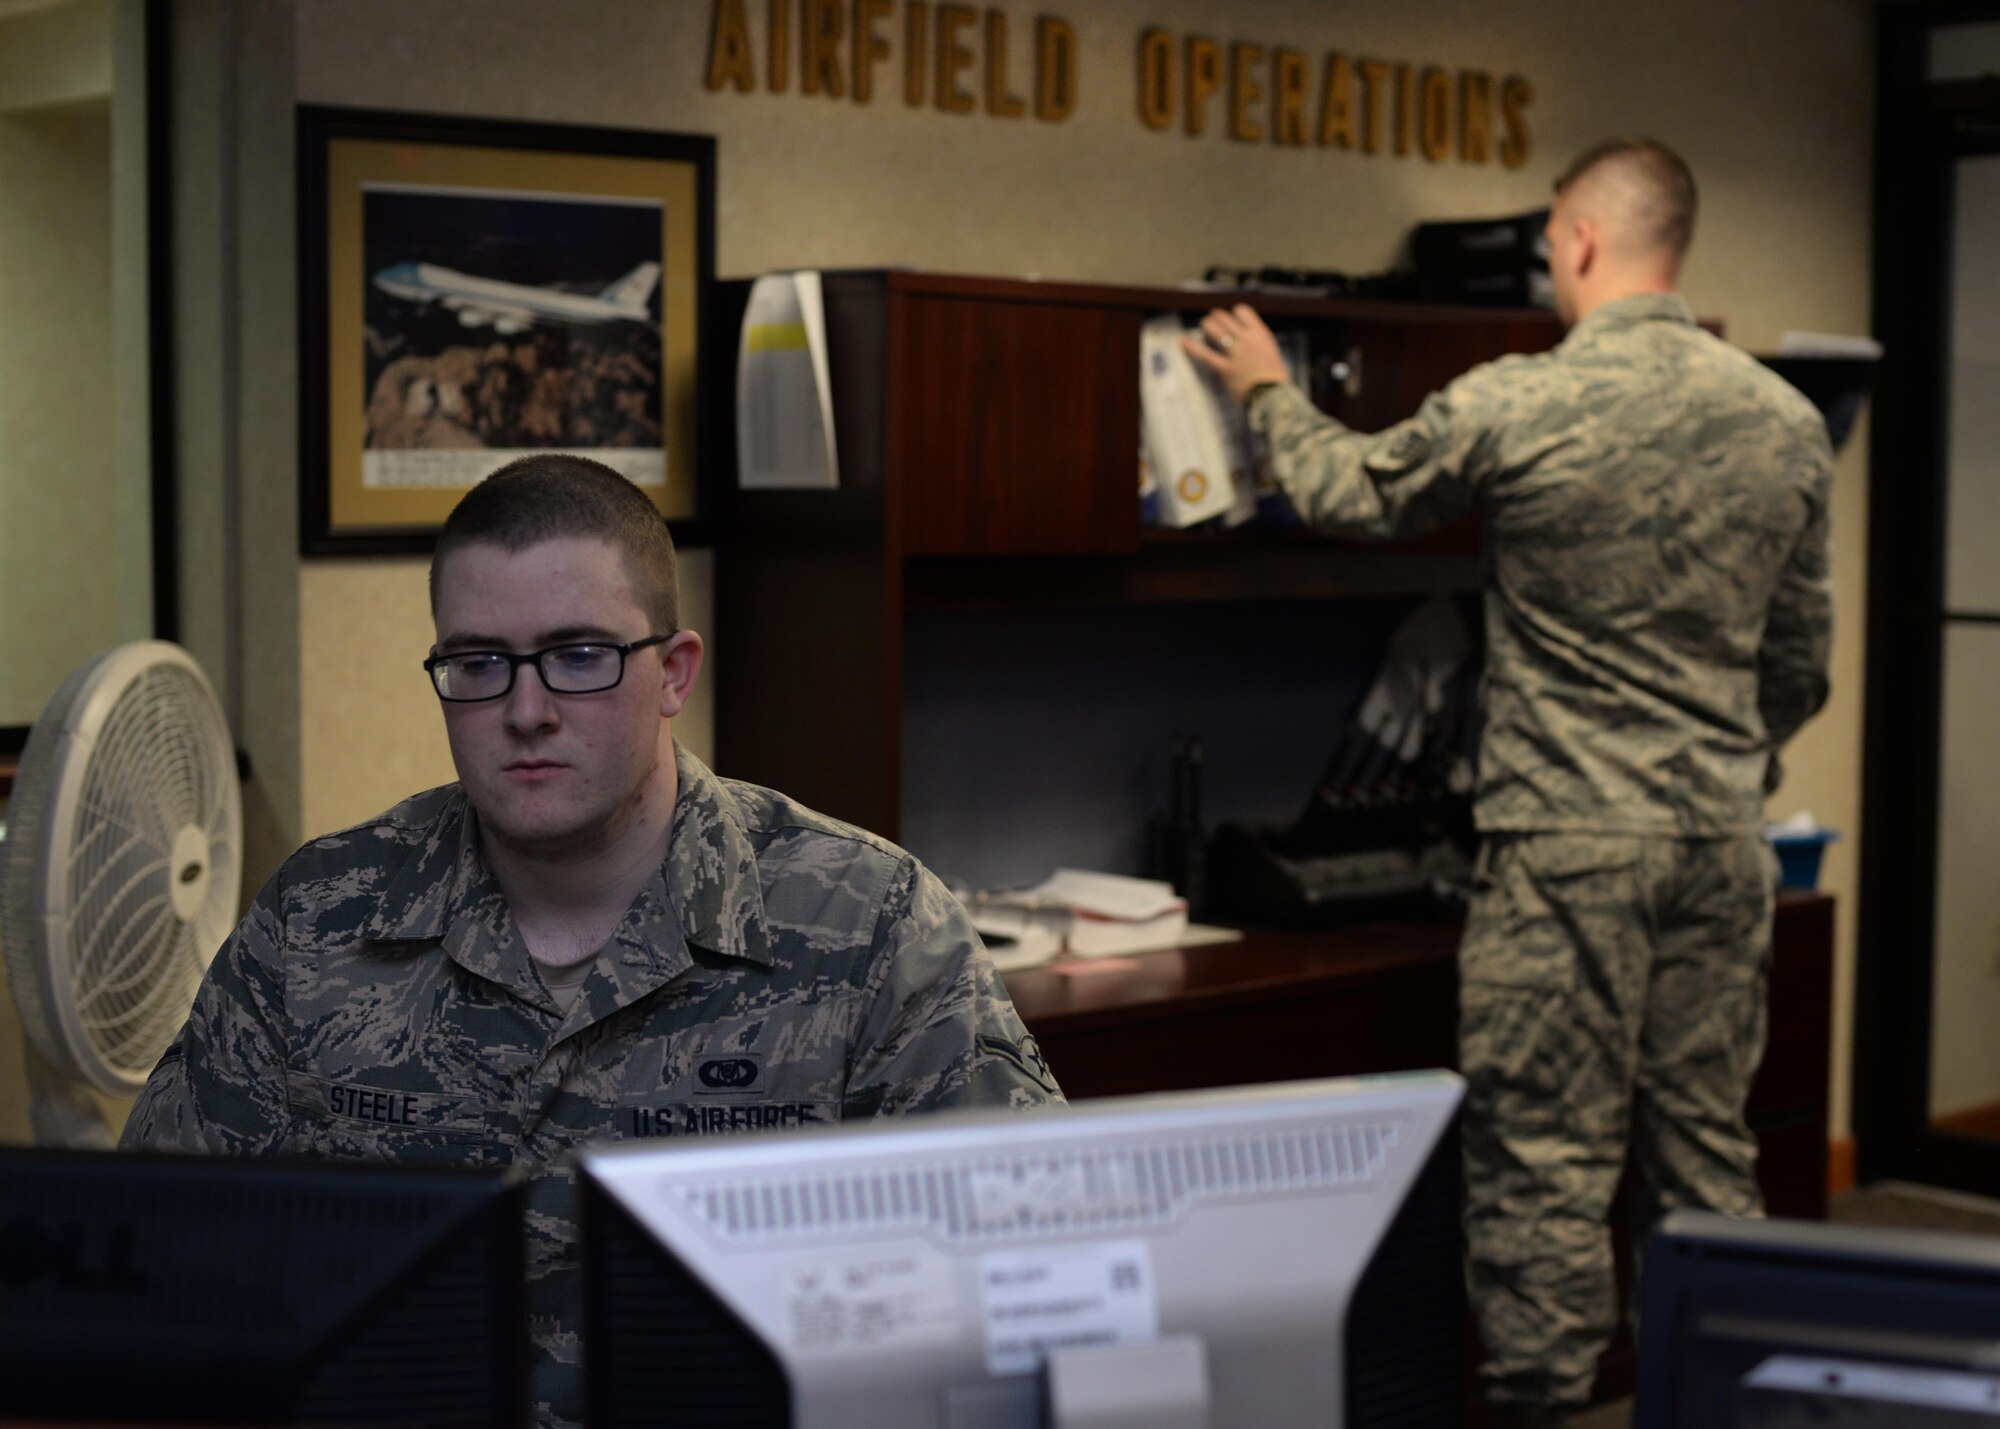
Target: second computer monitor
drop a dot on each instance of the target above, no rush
(141, 1288)
(1765, 1324)
(1274, 1256)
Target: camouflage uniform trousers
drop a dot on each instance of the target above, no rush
(1612, 995)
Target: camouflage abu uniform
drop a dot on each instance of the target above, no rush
(378, 1003)
(1657, 626)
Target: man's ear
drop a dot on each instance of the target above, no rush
(1587, 245)
(680, 667)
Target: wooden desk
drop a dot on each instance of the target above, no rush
(1383, 997)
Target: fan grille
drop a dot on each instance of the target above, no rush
(134, 840)
(135, 964)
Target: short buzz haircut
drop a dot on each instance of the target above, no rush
(549, 495)
(1661, 183)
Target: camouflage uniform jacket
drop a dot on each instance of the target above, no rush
(1658, 613)
(782, 970)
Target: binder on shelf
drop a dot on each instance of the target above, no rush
(784, 395)
(1185, 446)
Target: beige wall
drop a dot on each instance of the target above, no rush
(1771, 103)
(74, 474)
(75, 518)
(58, 572)
(57, 467)
(55, 53)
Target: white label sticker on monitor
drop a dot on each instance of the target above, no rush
(872, 1302)
(1061, 1297)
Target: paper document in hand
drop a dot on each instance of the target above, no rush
(784, 398)
(1239, 446)
(1184, 438)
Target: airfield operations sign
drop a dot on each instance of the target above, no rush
(960, 59)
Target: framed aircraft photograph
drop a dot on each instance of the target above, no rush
(474, 290)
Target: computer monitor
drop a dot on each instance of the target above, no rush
(1754, 1324)
(1263, 1256)
(211, 1290)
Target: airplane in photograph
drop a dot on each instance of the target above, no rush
(513, 307)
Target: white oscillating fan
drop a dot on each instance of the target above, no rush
(119, 875)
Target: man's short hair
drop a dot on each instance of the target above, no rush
(1658, 182)
(539, 498)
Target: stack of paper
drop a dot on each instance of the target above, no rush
(1829, 344)
(1109, 913)
(1018, 938)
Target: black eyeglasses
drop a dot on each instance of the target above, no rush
(468, 676)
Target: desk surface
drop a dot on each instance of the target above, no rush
(1376, 997)
(1079, 992)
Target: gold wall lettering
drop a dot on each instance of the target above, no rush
(1515, 95)
(1204, 64)
(820, 67)
(1288, 97)
(915, 18)
(870, 49)
(953, 56)
(1336, 104)
(1055, 68)
(957, 58)
(1475, 116)
(781, 44)
(1001, 103)
(1371, 105)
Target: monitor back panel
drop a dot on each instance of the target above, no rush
(218, 1290)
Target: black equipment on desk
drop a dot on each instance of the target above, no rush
(218, 1290)
(1174, 844)
(1388, 829)
(1407, 859)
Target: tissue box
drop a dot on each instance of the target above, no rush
(1799, 856)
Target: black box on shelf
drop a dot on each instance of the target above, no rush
(1502, 262)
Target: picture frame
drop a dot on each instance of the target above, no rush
(473, 290)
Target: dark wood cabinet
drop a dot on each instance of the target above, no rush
(988, 440)
(1016, 425)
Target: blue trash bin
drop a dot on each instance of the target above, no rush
(1799, 857)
